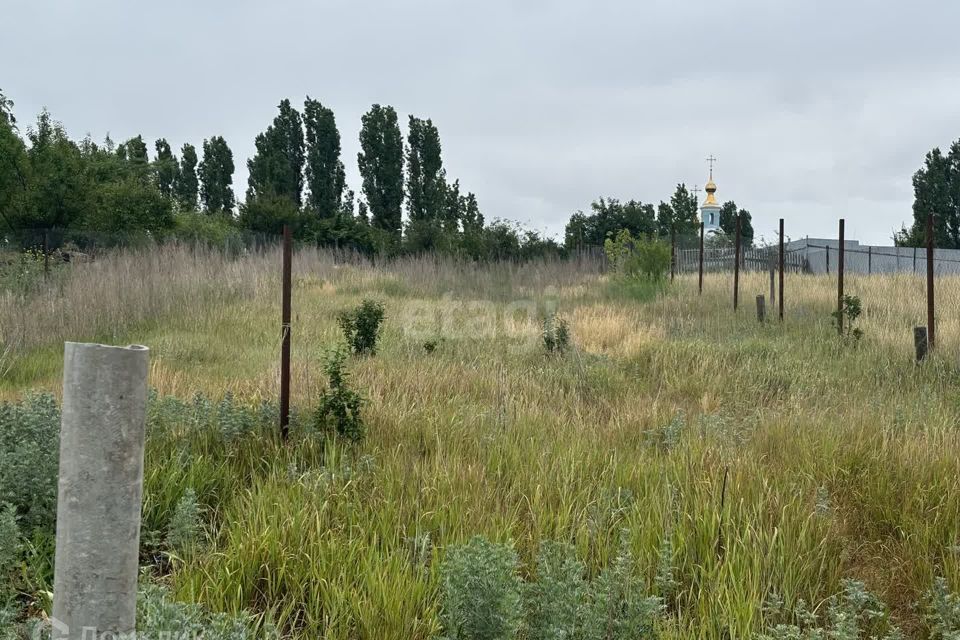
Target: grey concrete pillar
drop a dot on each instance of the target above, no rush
(101, 481)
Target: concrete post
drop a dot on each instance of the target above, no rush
(920, 344)
(100, 485)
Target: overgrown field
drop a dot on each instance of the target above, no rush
(724, 466)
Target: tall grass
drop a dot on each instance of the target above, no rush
(841, 461)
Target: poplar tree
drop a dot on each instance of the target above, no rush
(165, 167)
(216, 176)
(325, 173)
(185, 184)
(381, 167)
(276, 170)
(426, 178)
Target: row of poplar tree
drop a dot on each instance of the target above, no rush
(296, 177)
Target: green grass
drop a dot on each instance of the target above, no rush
(842, 461)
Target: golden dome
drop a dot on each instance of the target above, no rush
(711, 189)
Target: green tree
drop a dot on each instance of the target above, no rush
(269, 213)
(381, 166)
(134, 151)
(185, 185)
(665, 218)
(216, 176)
(59, 193)
(728, 222)
(685, 208)
(13, 171)
(472, 218)
(936, 190)
(124, 194)
(6, 111)
(325, 172)
(608, 217)
(277, 167)
(426, 178)
(165, 167)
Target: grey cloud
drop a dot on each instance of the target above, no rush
(816, 109)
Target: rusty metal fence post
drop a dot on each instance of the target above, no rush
(736, 265)
(931, 326)
(673, 252)
(840, 281)
(285, 335)
(700, 281)
(780, 296)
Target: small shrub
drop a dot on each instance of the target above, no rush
(160, 616)
(617, 605)
(943, 612)
(183, 532)
(555, 334)
(431, 345)
(665, 581)
(481, 592)
(642, 257)
(9, 549)
(849, 311)
(339, 408)
(853, 614)
(552, 602)
(29, 459)
(361, 327)
(668, 436)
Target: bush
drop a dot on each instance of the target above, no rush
(641, 257)
(849, 311)
(855, 613)
(339, 408)
(555, 334)
(361, 327)
(617, 605)
(160, 616)
(552, 603)
(215, 230)
(943, 612)
(183, 531)
(9, 549)
(29, 459)
(481, 592)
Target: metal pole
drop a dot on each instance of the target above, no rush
(840, 282)
(673, 252)
(46, 254)
(285, 344)
(700, 283)
(100, 486)
(780, 297)
(736, 265)
(773, 287)
(931, 327)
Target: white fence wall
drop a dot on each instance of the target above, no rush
(821, 256)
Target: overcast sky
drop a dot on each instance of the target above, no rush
(815, 109)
